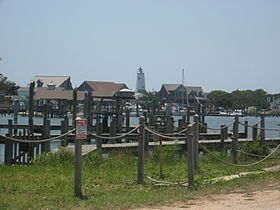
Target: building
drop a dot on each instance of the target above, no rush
(55, 81)
(140, 83)
(57, 98)
(102, 89)
(275, 105)
(180, 94)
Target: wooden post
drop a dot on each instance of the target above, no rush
(127, 119)
(262, 131)
(98, 129)
(223, 135)
(246, 129)
(31, 106)
(160, 157)
(141, 152)
(9, 145)
(235, 139)
(113, 129)
(195, 143)
(78, 156)
(62, 131)
(74, 106)
(44, 130)
(202, 114)
(89, 107)
(137, 110)
(190, 156)
(255, 132)
(188, 115)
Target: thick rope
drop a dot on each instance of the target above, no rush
(268, 129)
(237, 165)
(164, 136)
(254, 155)
(218, 129)
(114, 137)
(36, 141)
(165, 182)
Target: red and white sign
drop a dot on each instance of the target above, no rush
(81, 129)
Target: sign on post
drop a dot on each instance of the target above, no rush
(81, 129)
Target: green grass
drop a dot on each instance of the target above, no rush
(111, 183)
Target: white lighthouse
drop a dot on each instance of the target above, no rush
(140, 84)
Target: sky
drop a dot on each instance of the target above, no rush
(220, 44)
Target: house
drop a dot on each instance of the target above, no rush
(275, 105)
(56, 81)
(57, 98)
(102, 89)
(178, 93)
(173, 93)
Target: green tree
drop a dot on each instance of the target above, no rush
(219, 98)
(10, 88)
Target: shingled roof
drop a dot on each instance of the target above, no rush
(45, 80)
(57, 93)
(105, 86)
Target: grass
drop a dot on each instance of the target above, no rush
(111, 183)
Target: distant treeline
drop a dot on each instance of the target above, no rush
(239, 99)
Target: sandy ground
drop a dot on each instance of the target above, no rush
(265, 199)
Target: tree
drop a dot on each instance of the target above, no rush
(219, 98)
(10, 88)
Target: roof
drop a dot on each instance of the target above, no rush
(105, 86)
(57, 93)
(193, 88)
(23, 89)
(55, 80)
(171, 87)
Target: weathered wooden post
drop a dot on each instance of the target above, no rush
(127, 119)
(74, 106)
(8, 156)
(246, 129)
(235, 139)
(113, 129)
(223, 136)
(45, 147)
(262, 131)
(89, 107)
(190, 150)
(141, 152)
(255, 132)
(98, 128)
(137, 109)
(81, 134)
(160, 157)
(31, 106)
(195, 142)
(62, 131)
(188, 115)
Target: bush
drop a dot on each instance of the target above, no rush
(255, 148)
(61, 157)
(93, 159)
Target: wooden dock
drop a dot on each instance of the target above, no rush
(87, 148)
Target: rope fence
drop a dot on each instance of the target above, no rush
(36, 141)
(114, 137)
(163, 135)
(237, 165)
(268, 129)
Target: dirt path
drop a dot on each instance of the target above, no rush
(265, 196)
(264, 199)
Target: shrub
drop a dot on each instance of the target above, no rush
(60, 157)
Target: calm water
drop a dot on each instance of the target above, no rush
(213, 122)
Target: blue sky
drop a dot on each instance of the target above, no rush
(221, 44)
